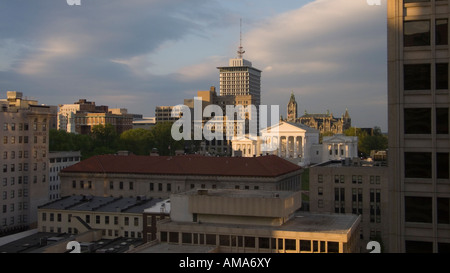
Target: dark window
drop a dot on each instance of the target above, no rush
(290, 244)
(263, 242)
(417, 76)
(417, 165)
(416, 33)
(443, 210)
(441, 120)
(417, 120)
(442, 165)
(333, 247)
(305, 245)
(442, 76)
(418, 247)
(441, 32)
(418, 209)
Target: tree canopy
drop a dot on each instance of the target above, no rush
(104, 139)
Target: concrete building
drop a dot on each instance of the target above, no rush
(57, 162)
(255, 221)
(418, 111)
(164, 114)
(160, 176)
(81, 116)
(240, 78)
(24, 152)
(353, 187)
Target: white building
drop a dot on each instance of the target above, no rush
(339, 147)
(57, 162)
(298, 143)
(66, 117)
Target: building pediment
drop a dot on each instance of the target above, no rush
(289, 127)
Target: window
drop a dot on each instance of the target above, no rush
(441, 120)
(417, 165)
(442, 165)
(121, 185)
(111, 185)
(418, 247)
(320, 178)
(417, 77)
(131, 185)
(418, 209)
(320, 191)
(416, 33)
(443, 210)
(442, 76)
(441, 32)
(417, 120)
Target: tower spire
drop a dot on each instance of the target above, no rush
(241, 50)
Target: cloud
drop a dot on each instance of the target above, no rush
(331, 53)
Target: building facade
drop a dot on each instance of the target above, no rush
(57, 162)
(418, 111)
(355, 188)
(160, 176)
(25, 166)
(114, 216)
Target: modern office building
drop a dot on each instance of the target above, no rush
(240, 78)
(418, 111)
(24, 152)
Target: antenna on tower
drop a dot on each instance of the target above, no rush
(241, 50)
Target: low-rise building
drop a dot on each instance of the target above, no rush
(160, 176)
(114, 216)
(255, 221)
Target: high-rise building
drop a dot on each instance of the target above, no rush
(24, 153)
(240, 77)
(418, 111)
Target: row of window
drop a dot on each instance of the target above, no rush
(22, 167)
(21, 219)
(356, 179)
(418, 76)
(420, 165)
(57, 217)
(420, 209)
(418, 32)
(12, 207)
(24, 126)
(357, 203)
(419, 120)
(12, 180)
(250, 242)
(22, 139)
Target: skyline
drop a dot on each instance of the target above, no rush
(330, 53)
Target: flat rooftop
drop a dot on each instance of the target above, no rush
(103, 204)
(315, 225)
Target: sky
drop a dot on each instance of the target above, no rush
(138, 54)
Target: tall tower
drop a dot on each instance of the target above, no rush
(292, 109)
(418, 111)
(240, 77)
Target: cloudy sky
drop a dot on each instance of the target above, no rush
(138, 54)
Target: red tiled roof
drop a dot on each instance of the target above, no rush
(263, 166)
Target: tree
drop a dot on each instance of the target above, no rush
(163, 140)
(138, 141)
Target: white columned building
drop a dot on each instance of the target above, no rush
(339, 147)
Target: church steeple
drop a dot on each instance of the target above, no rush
(292, 109)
